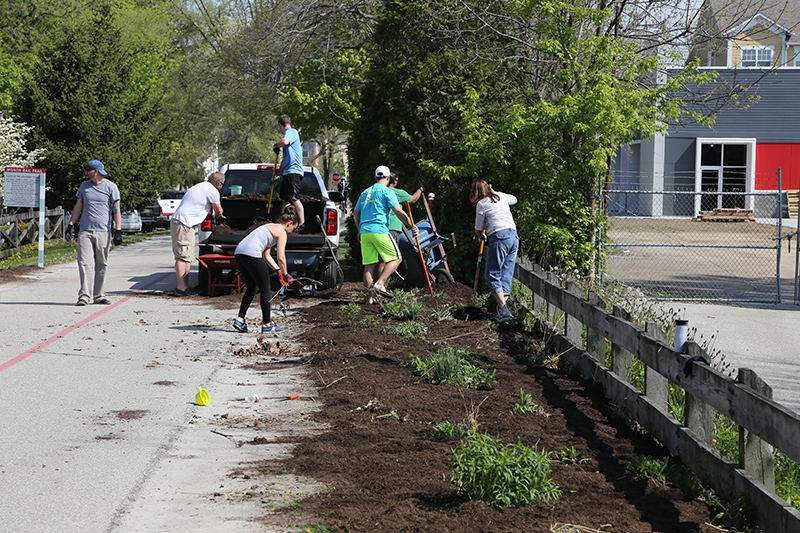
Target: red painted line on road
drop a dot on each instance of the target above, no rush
(86, 320)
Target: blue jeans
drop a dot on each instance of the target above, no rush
(501, 256)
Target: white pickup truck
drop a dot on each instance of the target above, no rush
(311, 255)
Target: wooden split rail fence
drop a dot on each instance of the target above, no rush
(22, 229)
(747, 401)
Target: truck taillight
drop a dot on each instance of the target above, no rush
(332, 222)
(205, 225)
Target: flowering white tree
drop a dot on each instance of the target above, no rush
(12, 149)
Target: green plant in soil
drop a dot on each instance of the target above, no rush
(525, 405)
(408, 330)
(513, 475)
(453, 367)
(448, 429)
(570, 456)
(368, 321)
(443, 314)
(643, 466)
(350, 313)
(404, 305)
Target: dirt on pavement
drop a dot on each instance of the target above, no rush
(385, 470)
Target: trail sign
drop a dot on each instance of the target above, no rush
(25, 187)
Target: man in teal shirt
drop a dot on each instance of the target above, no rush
(395, 226)
(379, 253)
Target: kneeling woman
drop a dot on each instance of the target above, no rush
(252, 258)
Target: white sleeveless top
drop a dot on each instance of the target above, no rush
(257, 241)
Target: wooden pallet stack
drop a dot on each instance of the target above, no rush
(727, 215)
(792, 200)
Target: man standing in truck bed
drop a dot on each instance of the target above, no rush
(291, 168)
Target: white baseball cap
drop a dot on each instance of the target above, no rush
(382, 172)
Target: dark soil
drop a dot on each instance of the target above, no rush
(386, 470)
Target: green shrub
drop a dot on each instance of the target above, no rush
(453, 367)
(525, 405)
(448, 429)
(403, 305)
(350, 313)
(408, 330)
(643, 466)
(504, 476)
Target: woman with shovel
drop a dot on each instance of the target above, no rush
(253, 256)
(492, 211)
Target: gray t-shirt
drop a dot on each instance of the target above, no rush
(97, 200)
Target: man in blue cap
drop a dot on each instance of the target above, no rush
(97, 205)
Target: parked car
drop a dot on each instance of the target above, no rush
(131, 222)
(157, 214)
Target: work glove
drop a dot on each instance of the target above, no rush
(285, 280)
(421, 187)
(117, 237)
(482, 237)
(276, 150)
(70, 233)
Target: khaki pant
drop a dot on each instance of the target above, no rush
(93, 247)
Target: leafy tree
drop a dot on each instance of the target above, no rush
(95, 95)
(533, 99)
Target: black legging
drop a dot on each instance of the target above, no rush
(255, 273)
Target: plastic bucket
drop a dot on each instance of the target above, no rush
(202, 397)
(236, 190)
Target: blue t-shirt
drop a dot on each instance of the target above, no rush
(375, 205)
(292, 153)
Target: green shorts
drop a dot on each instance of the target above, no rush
(377, 247)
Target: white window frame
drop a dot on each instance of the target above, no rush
(751, 166)
(758, 61)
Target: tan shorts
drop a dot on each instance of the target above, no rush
(182, 241)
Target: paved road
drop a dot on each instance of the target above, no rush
(764, 338)
(100, 428)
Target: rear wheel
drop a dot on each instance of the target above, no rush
(329, 277)
(443, 276)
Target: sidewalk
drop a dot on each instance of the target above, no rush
(101, 431)
(764, 338)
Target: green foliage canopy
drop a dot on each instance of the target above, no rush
(95, 95)
(534, 100)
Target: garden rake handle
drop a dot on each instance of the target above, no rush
(480, 256)
(272, 184)
(419, 249)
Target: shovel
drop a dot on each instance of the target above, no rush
(335, 260)
(272, 184)
(480, 256)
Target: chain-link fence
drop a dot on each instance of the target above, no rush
(687, 245)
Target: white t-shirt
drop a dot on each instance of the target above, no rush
(196, 204)
(497, 215)
(257, 241)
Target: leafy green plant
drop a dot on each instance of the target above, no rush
(448, 429)
(443, 314)
(504, 476)
(369, 321)
(481, 300)
(453, 367)
(403, 305)
(525, 405)
(408, 330)
(570, 456)
(350, 313)
(643, 466)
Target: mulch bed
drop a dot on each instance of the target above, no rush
(388, 472)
